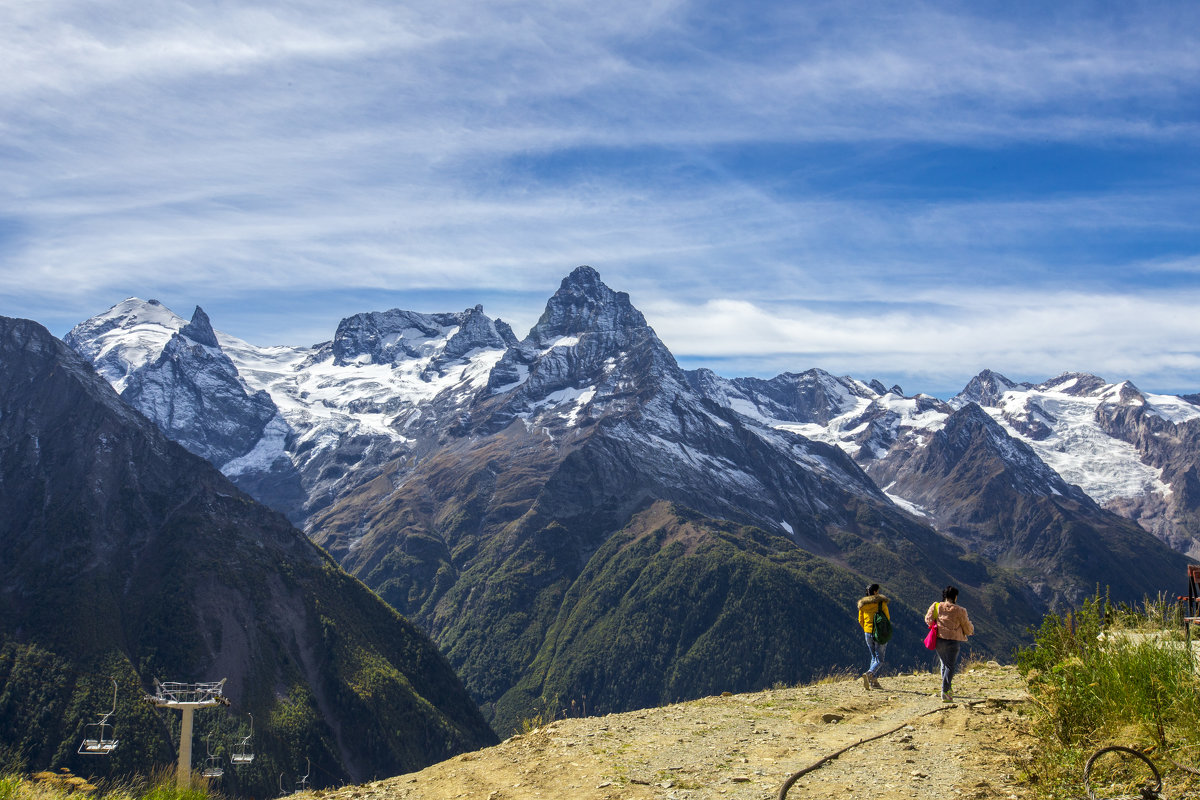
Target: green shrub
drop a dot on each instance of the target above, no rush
(1100, 676)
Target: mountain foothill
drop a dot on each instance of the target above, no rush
(576, 522)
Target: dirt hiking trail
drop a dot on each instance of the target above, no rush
(746, 746)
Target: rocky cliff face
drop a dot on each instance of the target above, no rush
(123, 555)
(865, 420)
(177, 374)
(393, 337)
(814, 397)
(193, 392)
(992, 492)
(1132, 452)
(1172, 446)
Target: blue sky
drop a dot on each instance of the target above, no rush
(911, 192)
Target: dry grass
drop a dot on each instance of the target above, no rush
(63, 785)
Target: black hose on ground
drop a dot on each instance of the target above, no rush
(795, 776)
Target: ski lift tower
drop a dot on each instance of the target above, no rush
(187, 697)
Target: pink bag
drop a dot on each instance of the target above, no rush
(931, 637)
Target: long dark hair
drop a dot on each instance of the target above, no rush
(950, 593)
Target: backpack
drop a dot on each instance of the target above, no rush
(881, 626)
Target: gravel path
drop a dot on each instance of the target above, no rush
(747, 746)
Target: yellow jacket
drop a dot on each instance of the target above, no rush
(867, 608)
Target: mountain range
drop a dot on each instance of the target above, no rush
(575, 519)
(125, 558)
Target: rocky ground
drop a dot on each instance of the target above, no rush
(747, 746)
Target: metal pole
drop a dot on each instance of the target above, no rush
(186, 697)
(183, 773)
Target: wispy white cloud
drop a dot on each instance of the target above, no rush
(232, 149)
(752, 244)
(1148, 339)
(72, 47)
(1185, 265)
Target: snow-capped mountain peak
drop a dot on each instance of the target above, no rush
(986, 389)
(588, 338)
(125, 338)
(583, 304)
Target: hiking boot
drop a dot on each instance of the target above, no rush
(947, 697)
(867, 681)
(875, 683)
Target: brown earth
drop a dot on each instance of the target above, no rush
(747, 746)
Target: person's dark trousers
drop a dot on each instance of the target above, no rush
(947, 650)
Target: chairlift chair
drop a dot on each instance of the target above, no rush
(99, 738)
(302, 784)
(212, 764)
(242, 754)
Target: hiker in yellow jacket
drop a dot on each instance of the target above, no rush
(867, 608)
